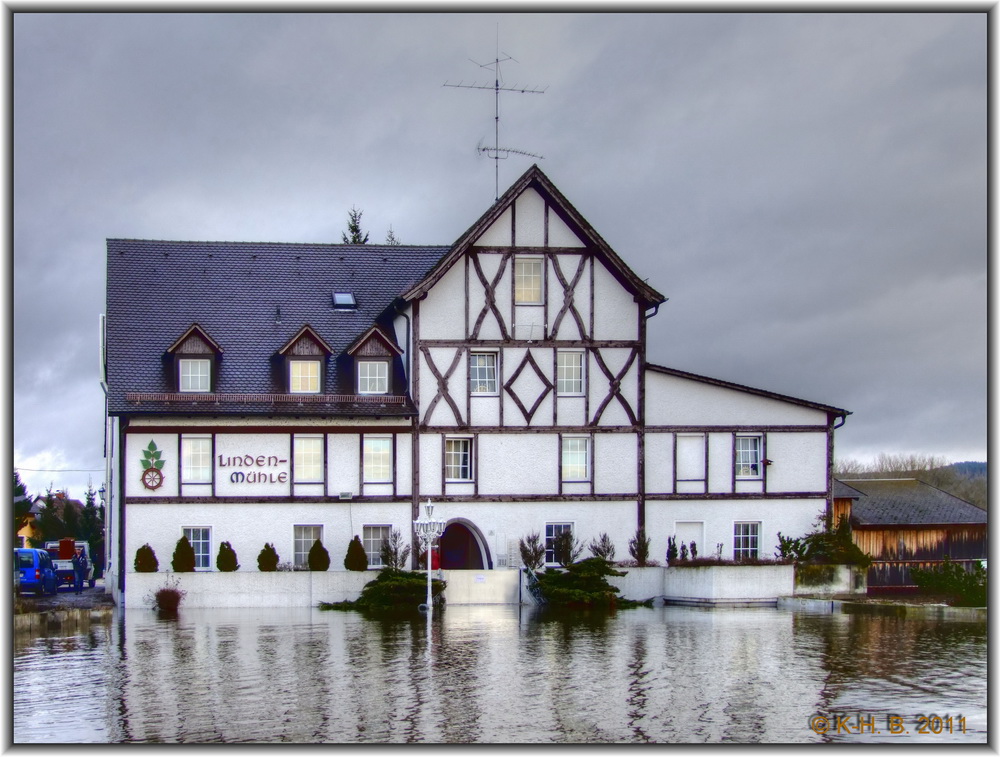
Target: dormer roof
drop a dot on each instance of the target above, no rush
(196, 332)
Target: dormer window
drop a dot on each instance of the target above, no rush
(373, 377)
(195, 362)
(373, 353)
(305, 357)
(195, 374)
(303, 376)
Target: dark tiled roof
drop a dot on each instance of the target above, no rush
(843, 491)
(907, 501)
(233, 290)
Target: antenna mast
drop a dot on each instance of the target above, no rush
(496, 152)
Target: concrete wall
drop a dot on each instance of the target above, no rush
(306, 588)
(723, 584)
(825, 580)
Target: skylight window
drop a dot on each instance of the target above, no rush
(344, 301)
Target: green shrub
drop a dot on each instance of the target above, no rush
(226, 561)
(964, 588)
(532, 551)
(638, 547)
(393, 552)
(583, 584)
(602, 547)
(319, 558)
(356, 558)
(566, 548)
(400, 591)
(145, 560)
(184, 559)
(267, 560)
(829, 546)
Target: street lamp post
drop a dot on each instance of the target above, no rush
(428, 530)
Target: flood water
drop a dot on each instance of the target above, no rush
(503, 675)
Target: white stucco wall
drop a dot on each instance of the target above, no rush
(800, 462)
(793, 517)
(443, 311)
(615, 461)
(673, 400)
(498, 234)
(616, 314)
(529, 219)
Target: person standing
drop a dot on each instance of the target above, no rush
(79, 569)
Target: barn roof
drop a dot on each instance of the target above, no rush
(907, 501)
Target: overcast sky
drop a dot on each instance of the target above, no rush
(809, 190)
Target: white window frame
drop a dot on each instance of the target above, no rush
(574, 445)
(372, 468)
(308, 457)
(476, 384)
(552, 530)
(295, 382)
(746, 540)
(373, 382)
(196, 381)
(521, 277)
(373, 547)
(196, 459)
(752, 455)
(300, 555)
(561, 368)
(451, 467)
(202, 546)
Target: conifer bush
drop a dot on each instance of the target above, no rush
(602, 547)
(393, 552)
(184, 559)
(638, 547)
(226, 560)
(583, 584)
(267, 560)
(145, 560)
(319, 558)
(532, 551)
(356, 558)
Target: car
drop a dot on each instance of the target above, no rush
(35, 570)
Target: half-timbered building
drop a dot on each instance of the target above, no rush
(282, 393)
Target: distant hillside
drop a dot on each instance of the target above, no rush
(968, 470)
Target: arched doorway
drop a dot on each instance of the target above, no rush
(462, 548)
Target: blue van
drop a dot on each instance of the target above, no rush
(35, 571)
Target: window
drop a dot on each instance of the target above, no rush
(552, 530)
(308, 460)
(748, 457)
(483, 373)
(344, 301)
(746, 541)
(303, 376)
(372, 537)
(569, 372)
(458, 459)
(305, 537)
(196, 460)
(528, 281)
(201, 541)
(377, 460)
(575, 459)
(195, 375)
(373, 377)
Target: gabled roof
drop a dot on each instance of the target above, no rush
(836, 411)
(378, 334)
(252, 296)
(308, 332)
(535, 178)
(909, 502)
(200, 333)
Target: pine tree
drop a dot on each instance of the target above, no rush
(319, 558)
(391, 238)
(267, 560)
(226, 561)
(184, 559)
(22, 507)
(145, 560)
(357, 236)
(356, 558)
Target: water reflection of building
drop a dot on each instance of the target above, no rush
(282, 393)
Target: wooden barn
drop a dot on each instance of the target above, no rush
(904, 523)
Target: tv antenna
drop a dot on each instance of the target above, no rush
(496, 152)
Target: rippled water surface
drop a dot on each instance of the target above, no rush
(503, 675)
